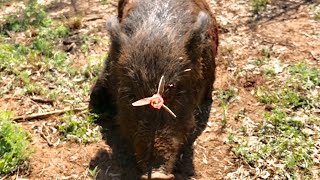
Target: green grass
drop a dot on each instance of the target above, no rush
(104, 2)
(304, 77)
(32, 16)
(87, 41)
(225, 97)
(41, 68)
(317, 13)
(258, 5)
(283, 144)
(46, 39)
(295, 91)
(24, 63)
(79, 129)
(284, 97)
(14, 145)
(94, 172)
(282, 139)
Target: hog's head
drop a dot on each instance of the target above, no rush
(159, 70)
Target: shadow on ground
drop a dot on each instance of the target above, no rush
(281, 8)
(120, 164)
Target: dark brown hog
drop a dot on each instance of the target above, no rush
(159, 72)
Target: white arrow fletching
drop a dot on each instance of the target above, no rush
(161, 85)
(142, 102)
(169, 110)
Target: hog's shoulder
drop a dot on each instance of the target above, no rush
(125, 6)
(175, 17)
(202, 5)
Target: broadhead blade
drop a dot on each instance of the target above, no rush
(169, 110)
(161, 85)
(142, 102)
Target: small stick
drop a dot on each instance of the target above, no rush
(4, 177)
(46, 114)
(40, 100)
(45, 137)
(314, 56)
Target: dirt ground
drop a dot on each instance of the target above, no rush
(287, 28)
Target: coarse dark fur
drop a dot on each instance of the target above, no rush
(151, 38)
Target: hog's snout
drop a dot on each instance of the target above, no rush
(158, 176)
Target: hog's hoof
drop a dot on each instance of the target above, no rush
(158, 176)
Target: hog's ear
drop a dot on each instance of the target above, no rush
(117, 36)
(124, 7)
(197, 35)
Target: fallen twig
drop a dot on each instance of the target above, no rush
(4, 177)
(46, 114)
(41, 100)
(314, 56)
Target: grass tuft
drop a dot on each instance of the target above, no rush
(258, 5)
(80, 129)
(285, 144)
(14, 144)
(32, 16)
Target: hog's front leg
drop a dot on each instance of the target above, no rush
(168, 143)
(102, 96)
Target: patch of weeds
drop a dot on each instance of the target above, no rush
(317, 13)
(270, 72)
(266, 53)
(93, 66)
(74, 23)
(28, 86)
(87, 41)
(285, 144)
(5, 2)
(226, 51)
(80, 129)
(11, 56)
(14, 145)
(258, 5)
(226, 96)
(104, 2)
(261, 61)
(264, 59)
(32, 15)
(306, 77)
(284, 97)
(46, 33)
(60, 59)
(52, 94)
(94, 172)
(43, 45)
(59, 32)
(36, 15)
(297, 90)
(15, 57)
(47, 39)
(240, 114)
(225, 115)
(14, 24)
(273, 67)
(280, 143)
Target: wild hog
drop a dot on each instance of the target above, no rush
(159, 72)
